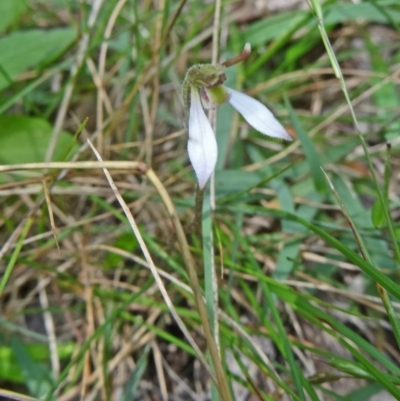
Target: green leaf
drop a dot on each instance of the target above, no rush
(269, 28)
(365, 392)
(37, 375)
(30, 49)
(225, 117)
(25, 139)
(10, 368)
(391, 286)
(311, 153)
(341, 11)
(10, 12)
(232, 181)
(136, 376)
(386, 98)
(377, 214)
(323, 320)
(123, 242)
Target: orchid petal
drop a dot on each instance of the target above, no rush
(202, 145)
(257, 115)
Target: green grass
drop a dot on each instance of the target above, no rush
(289, 290)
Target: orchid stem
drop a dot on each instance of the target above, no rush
(198, 210)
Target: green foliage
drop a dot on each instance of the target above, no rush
(31, 49)
(10, 12)
(25, 139)
(27, 363)
(288, 242)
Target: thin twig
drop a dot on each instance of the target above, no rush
(123, 165)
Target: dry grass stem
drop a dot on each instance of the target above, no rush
(149, 260)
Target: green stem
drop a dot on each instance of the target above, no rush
(198, 210)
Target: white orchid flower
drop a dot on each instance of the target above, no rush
(257, 115)
(202, 145)
(203, 88)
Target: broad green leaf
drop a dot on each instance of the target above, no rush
(267, 29)
(341, 11)
(10, 11)
(232, 181)
(25, 139)
(10, 369)
(37, 375)
(24, 50)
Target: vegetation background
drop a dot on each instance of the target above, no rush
(102, 272)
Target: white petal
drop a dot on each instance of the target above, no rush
(257, 115)
(202, 145)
